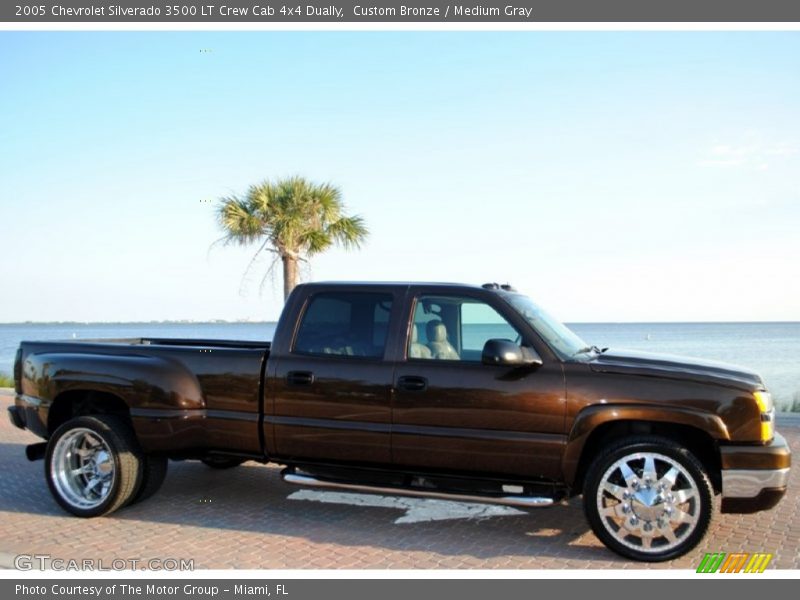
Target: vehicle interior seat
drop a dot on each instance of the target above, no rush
(415, 349)
(440, 347)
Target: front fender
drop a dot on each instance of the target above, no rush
(592, 417)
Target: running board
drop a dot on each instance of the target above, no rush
(522, 501)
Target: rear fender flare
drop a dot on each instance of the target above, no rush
(142, 382)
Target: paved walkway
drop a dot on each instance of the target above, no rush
(248, 518)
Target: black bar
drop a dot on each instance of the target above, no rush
(416, 11)
(386, 589)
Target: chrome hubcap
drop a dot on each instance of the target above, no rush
(648, 502)
(82, 468)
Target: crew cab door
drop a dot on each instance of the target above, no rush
(453, 413)
(331, 389)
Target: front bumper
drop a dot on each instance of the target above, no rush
(754, 478)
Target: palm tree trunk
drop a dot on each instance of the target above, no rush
(289, 275)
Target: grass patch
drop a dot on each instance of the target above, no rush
(6, 381)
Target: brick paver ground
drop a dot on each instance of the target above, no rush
(243, 518)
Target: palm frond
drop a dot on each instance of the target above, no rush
(315, 241)
(348, 232)
(238, 222)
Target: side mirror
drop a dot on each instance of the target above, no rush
(506, 353)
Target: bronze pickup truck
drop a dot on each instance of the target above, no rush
(433, 390)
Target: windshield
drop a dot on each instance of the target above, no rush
(557, 335)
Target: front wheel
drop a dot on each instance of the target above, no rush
(647, 498)
(93, 465)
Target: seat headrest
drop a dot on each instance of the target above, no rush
(414, 335)
(437, 332)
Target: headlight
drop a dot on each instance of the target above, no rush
(764, 401)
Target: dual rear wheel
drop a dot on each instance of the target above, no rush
(94, 466)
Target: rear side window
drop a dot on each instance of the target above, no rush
(345, 324)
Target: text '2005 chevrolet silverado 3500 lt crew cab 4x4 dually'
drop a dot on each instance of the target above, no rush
(436, 390)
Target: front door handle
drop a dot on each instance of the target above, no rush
(412, 383)
(299, 378)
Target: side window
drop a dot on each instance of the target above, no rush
(455, 328)
(345, 324)
(481, 323)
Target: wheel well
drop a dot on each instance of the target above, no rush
(697, 441)
(84, 402)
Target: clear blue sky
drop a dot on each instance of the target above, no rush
(612, 176)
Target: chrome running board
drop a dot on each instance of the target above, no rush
(521, 501)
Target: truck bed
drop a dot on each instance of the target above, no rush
(181, 393)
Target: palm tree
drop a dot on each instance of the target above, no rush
(292, 218)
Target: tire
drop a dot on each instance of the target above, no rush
(154, 471)
(648, 517)
(93, 465)
(221, 462)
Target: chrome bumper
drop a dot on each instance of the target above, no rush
(749, 483)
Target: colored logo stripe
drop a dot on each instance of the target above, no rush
(758, 563)
(734, 563)
(711, 562)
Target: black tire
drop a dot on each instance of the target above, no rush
(154, 471)
(121, 457)
(650, 506)
(221, 462)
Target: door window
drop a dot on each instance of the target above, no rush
(455, 328)
(345, 324)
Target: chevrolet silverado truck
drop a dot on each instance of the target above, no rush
(434, 390)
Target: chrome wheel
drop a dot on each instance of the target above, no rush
(648, 502)
(82, 468)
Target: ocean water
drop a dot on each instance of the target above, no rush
(772, 349)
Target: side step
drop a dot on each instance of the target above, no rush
(295, 478)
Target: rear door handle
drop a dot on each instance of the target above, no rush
(299, 378)
(412, 383)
